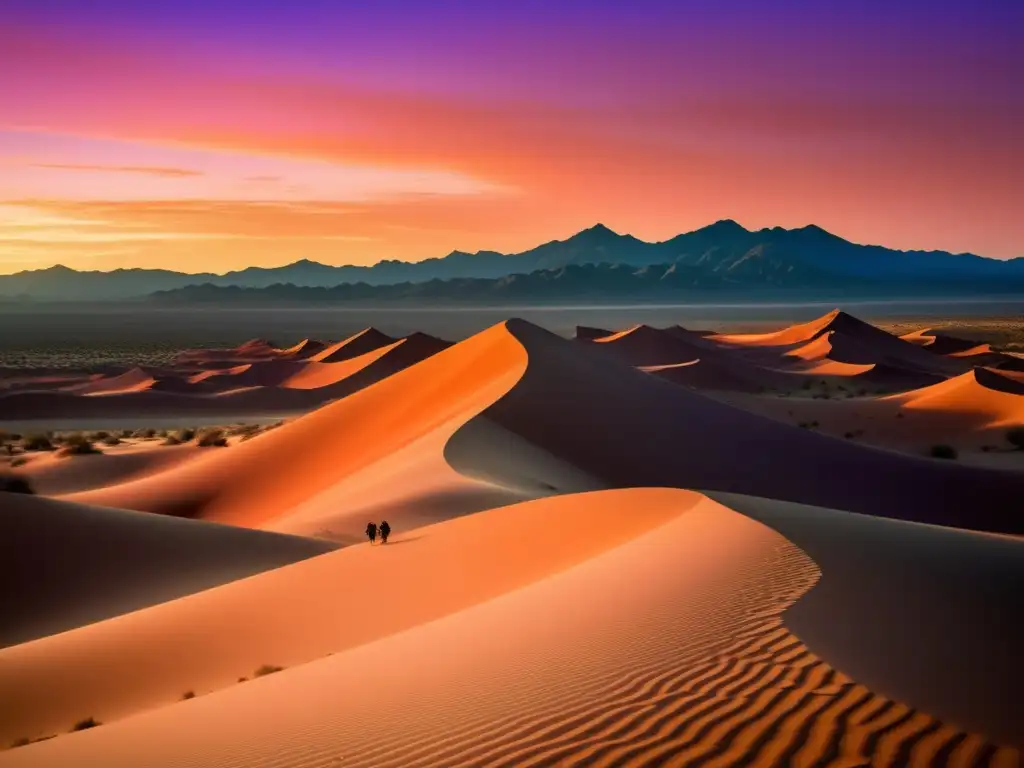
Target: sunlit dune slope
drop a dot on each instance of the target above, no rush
(264, 479)
(306, 611)
(861, 342)
(134, 380)
(67, 565)
(984, 398)
(360, 343)
(627, 428)
(672, 646)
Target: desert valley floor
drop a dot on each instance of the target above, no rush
(647, 546)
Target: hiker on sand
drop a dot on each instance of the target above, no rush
(371, 532)
(385, 531)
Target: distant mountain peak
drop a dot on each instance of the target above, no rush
(726, 225)
(597, 231)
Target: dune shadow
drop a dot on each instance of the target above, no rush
(922, 614)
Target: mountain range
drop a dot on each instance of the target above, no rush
(723, 255)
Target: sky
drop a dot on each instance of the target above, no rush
(217, 134)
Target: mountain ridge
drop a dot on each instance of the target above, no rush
(724, 247)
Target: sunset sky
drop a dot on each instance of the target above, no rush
(216, 134)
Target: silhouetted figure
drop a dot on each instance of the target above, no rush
(385, 531)
(371, 532)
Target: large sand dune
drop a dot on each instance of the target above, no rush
(686, 658)
(265, 479)
(689, 592)
(575, 403)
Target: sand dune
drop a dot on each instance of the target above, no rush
(981, 398)
(643, 345)
(275, 385)
(74, 565)
(587, 333)
(53, 475)
(687, 658)
(852, 341)
(365, 341)
(304, 349)
(348, 598)
(263, 480)
(937, 342)
(575, 403)
(134, 380)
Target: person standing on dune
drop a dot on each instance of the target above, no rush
(371, 532)
(385, 531)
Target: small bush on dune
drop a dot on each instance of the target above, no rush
(266, 669)
(942, 452)
(243, 679)
(18, 461)
(210, 438)
(37, 443)
(185, 435)
(126, 433)
(171, 440)
(1015, 437)
(112, 440)
(144, 433)
(15, 484)
(99, 436)
(89, 722)
(188, 695)
(78, 445)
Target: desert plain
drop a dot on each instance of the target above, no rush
(635, 546)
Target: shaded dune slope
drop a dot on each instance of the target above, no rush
(891, 612)
(75, 564)
(687, 659)
(627, 428)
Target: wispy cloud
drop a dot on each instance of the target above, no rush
(168, 173)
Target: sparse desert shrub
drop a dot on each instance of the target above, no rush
(171, 440)
(144, 433)
(111, 440)
(942, 452)
(78, 445)
(89, 722)
(10, 483)
(185, 435)
(18, 461)
(210, 438)
(22, 742)
(244, 430)
(162, 433)
(188, 695)
(266, 669)
(1015, 437)
(126, 433)
(37, 442)
(899, 414)
(99, 436)
(243, 679)
(849, 435)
